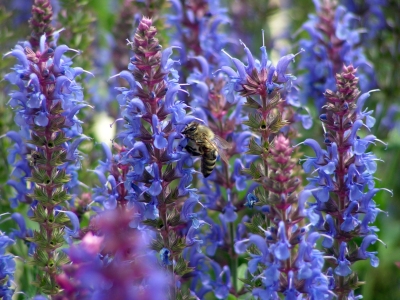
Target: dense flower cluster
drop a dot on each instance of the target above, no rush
(113, 260)
(45, 104)
(284, 259)
(335, 40)
(7, 267)
(154, 162)
(200, 194)
(344, 186)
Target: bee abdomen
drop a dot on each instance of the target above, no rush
(208, 162)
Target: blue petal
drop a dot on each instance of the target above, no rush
(343, 268)
(41, 119)
(321, 194)
(160, 142)
(155, 188)
(281, 251)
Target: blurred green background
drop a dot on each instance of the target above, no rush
(92, 26)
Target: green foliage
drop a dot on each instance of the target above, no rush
(181, 267)
(257, 221)
(157, 244)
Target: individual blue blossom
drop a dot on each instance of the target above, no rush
(229, 213)
(165, 256)
(17, 158)
(240, 179)
(23, 232)
(350, 221)
(251, 199)
(213, 237)
(223, 283)
(281, 249)
(364, 254)
(343, 268)
(291, 293)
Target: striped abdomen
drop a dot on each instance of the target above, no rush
(208, 161)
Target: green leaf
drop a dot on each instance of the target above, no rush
(40, 238)
(37, 140)
(255, 171)
(58, 158)
(156, 223)
(57, 238)
(157, 244)
(246, 281)
(170, 174)
(181, 267)
(41, 258)
(61, 219)
(253, 228)
(178, 245)
(258, 220)
(60, 139)
(254, 148)
(60, 177)
(275, 123)
(174, 218)
(61, 258)
(262, 195)
(40, 194)
(60, 196)
(39, 214)
(38, 176)
(241, 273)
(250, 102)
(172, 196)
(254, 121)
(273, 102)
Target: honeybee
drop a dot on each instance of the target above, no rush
(201, 141)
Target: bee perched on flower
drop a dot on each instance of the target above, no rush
(202, 141)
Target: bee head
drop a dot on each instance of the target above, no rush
(190, 128)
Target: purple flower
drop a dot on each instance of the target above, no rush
(343, 186)
(7, 267)
(334, 42)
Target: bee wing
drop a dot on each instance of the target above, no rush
(223, 156)
(221, 144)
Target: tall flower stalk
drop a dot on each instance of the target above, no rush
(277, 264)
(283, 257)
(46, 102)
(152, 133)
(344, 185)
(201, 40)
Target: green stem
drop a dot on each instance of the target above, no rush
(234, 258)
